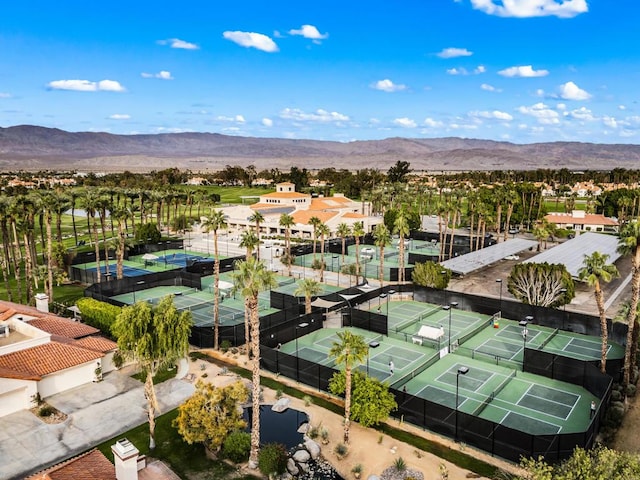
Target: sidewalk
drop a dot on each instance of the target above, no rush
(96, 412)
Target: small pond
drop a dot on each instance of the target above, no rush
(283, 428)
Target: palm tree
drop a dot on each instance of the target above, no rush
(629, 244)
(315, 222)
(250, 241)
(382, 239)
(258, 218)
(349, 350)
(287, 222)
(308, 287)
(120, 214)
(595, 269)
(91, 205)
(358, 232)
(250, 278)
(343, 232)
(323, 230)
(401, 227)
(212, 224)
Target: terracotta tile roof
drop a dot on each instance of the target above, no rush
(17, 374)
(256, 206)
(7, 314)
(96, 343)
(328, 202)
(45, 359)
(588, 219)
(63, 327)
(92, 465)
(285, 195)
(353, 215)
(303, 216)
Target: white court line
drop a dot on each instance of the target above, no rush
(547, 413)
(498, 348)
(558, 427)
(525, 393)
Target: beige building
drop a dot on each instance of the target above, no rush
(580, 221)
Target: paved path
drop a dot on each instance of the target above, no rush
(96, 412)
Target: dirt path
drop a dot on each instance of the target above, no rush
(627, 438)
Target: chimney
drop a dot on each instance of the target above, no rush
(125, 456)
(42, 302)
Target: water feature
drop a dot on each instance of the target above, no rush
(282, 427)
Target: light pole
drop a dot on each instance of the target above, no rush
(301, 325)
(371, 345)
(461, 371)
(389, 293)
(333, 257)
(499, 280)
(523, 323)
(134, 289)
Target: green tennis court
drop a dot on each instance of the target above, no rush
(582, 347)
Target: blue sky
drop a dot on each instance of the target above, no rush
(518, 70)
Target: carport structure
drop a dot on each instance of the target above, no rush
(484, 257)
(572, 252)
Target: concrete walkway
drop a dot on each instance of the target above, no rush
(96, 412)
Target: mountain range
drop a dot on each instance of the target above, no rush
(28, 147)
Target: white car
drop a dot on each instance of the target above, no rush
(512, 257)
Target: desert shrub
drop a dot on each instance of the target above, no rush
(279, 394)
(314, 432)
(399, 464)
(46, 411)
(631, 390)
(616, 395)
(236, 446)
(273, 459)
(225, 345)
(614, 415)
(307, 400)
(341, 450)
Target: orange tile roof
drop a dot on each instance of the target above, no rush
(256, 206)
(46, 359)
(96, 343)
(328, 202)
(63, 327)
(285, 195)
(353, 215)
(7, 314)
(303, 216)
(92, 465)
(588, 219)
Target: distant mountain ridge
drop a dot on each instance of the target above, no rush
(34, 148)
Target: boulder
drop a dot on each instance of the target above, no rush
(304, 467)
(301, 456)
(291, 467)
(313, 448)
(373, 477)
(281, 405)
(286, 476)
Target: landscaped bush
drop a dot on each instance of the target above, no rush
(237, 446)
(631, 390)
(98, 314)
(614, 415)
(46, 411)
(272, 459)
(225, 345)
(341, 450)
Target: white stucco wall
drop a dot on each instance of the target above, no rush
(67, 379)
(16, 395)
(107, 363)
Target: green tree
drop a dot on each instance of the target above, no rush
(595, 269)
(382, 237)
(629, 244)
(250, 278)
(431, 274)
(153, 339)
(324, 231)
(398, 172)
(287, 222)
(595, 464)
(249, 240)
(258, 218)
(371, 400)
(214, 223)
(315, 222)
(348, 351)
(401, 227)
(358, 233)
(308, 287)
(211, 413)
(343, 231)
(541, 284)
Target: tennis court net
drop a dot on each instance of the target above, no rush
(548, 339)
(416, 371)
(407, 323)
(494, 394)
(481, 326)
(287, 281)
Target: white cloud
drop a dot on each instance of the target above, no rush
(86, 85)
(490, 88)
(561, 106)
(479, 69)
(237, 119)
(622, 107)
(405, 122)
(387, 85)
(457, 71)
(497, 114)
(531, 8)
(309, 31)
(162, 75)
(177, 43)
(610, 122)
(120, 116)
(252, 39)
(319, 115)
(523, 71)
(542, 113)
(582, 113)
(267, 122)
(430, 122)
(454, 52)
(5, 95)
(570, 91)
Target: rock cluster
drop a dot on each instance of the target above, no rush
(306, 463)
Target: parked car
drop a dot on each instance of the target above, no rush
(513, 231)
(512, 257)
